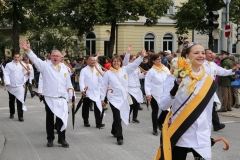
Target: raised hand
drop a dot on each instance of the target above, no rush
(129, 48)
(143, 54)
(25, 45)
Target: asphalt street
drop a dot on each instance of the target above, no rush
(27, 140)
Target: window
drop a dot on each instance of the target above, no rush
(167, 42)
(149, 41)
(90, 44)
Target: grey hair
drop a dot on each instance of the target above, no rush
(56, 51)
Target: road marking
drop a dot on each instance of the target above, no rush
(231, 122)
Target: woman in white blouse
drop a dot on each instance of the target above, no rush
(154, 80)
(117, 79)
(134, 87)
(188, 125)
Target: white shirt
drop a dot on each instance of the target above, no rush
(154, 81)
(198, 135)
(55, 83)
(213, 69)
(118, 98)
(93, 81)
(14, 74)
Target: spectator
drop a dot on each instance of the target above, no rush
(107, 65)
(163, 58)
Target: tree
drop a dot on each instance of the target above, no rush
(28, 15)
(4, 42)
(54, 38)
(235, 11)
(89, 12)
(191, 15)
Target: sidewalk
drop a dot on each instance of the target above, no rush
(234, 113)
(2, 141)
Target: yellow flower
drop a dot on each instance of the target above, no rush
(182, 74)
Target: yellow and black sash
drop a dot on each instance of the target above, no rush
(171, 134)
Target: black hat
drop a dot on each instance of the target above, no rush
(224, 52)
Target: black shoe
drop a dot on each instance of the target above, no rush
(140, 108)
(20, 119)
(120, 142)
(155, 133)
(91, 109)
(87, 125)
(221, 110)
(50, 144)
(219, 127)
(136, 120)
(11, 116)
(100, 126)
(63, 143)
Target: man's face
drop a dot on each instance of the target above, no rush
(91, 61)
(55, 57)
(224, 56)
(16, 58)
(209, 55)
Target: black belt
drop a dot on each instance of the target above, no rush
(62, 97)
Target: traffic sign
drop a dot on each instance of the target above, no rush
(227, 30)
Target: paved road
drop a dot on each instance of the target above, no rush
(27, 140)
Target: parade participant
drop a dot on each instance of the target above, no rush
(187, 126)
(14, 78)
(154, 80)
(28, 83)
(56, 80)
(213, 69)
(117, 79)
(91, 78)
(134, 85)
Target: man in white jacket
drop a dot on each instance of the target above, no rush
(91, 78)
(14, 74)
(56, 80)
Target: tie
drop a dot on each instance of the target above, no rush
(16, 63)
(57, 67)
(209, 63)
(92, 69)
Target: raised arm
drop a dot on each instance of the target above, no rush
(224, 72)
(127, 56)
(133, 66)
(39, 64)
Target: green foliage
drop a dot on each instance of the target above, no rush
(235, 11)
(192, 15)
(4, 41)
(55, 38)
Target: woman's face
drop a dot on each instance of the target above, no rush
(116, 63)
(133, 58)
(196, 55)
(157, 61)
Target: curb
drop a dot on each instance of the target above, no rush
(2, 141)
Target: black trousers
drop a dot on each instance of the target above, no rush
(180, 153)
(50, 125)
(134, 108)
(12, 99)
(154, 106)
(85, 111)
(29, 86)
(215, 118)
(116, 125)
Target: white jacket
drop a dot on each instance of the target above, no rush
(93, 81)
(120, 90)
(198, 135)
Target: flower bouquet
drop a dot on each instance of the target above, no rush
(181, 68)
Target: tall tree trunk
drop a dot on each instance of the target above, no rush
(16, 48)
(210, 41)
(112, 38)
